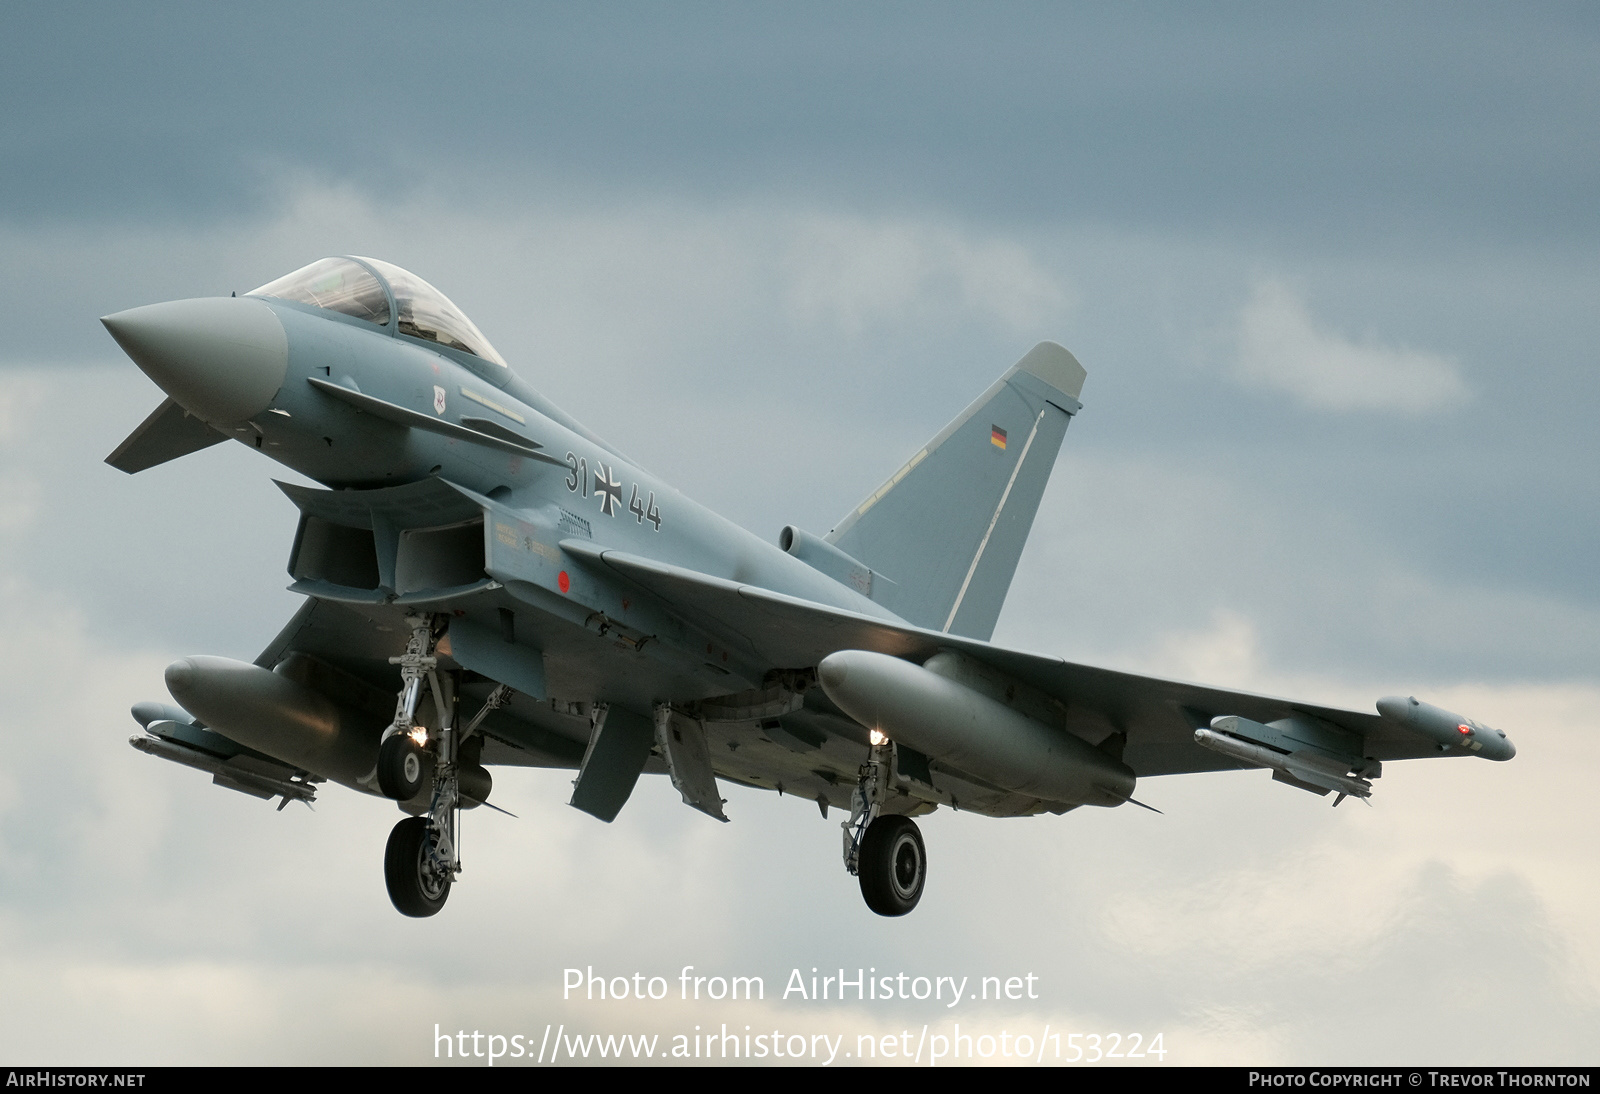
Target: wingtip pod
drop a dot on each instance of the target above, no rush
(1449, 731)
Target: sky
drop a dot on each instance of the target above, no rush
(1330, 269)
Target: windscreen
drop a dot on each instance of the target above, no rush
(336, 284)
(425, 312)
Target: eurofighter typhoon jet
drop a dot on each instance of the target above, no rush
(487, 582)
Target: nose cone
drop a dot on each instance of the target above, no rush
(223, 359)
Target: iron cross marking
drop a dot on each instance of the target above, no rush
(610, 492)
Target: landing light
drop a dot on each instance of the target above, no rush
(419, 735)
(877, 738)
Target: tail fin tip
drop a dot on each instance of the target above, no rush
(1056, 366)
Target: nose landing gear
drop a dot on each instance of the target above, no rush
(423, 856)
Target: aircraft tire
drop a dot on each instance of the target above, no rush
(893, 865)
(400, 768)
(413, 887)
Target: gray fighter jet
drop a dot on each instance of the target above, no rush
(488, 582)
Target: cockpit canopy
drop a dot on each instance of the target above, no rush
(382, 294)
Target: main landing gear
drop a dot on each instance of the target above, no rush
(422, 858)
(885, 853)
(417, 886)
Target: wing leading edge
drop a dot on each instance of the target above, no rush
(1159, 717)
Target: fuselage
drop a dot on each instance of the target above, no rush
(566, 486)
(625, 507)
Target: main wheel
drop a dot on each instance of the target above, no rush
(400, 770)
(414, 886)
(892, 865)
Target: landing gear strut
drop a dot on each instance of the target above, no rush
(423, 856)
(400, 753)
(885, 853)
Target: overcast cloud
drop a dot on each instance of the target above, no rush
(1282, 347)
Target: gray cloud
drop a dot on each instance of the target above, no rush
(1282, 347)
(1370, 124)
(814, 239)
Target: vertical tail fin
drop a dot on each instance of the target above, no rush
(948, 528)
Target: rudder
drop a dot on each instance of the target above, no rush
(948, 528)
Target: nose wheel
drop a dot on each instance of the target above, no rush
(400, 771)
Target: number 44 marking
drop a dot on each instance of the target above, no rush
(646, 511)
